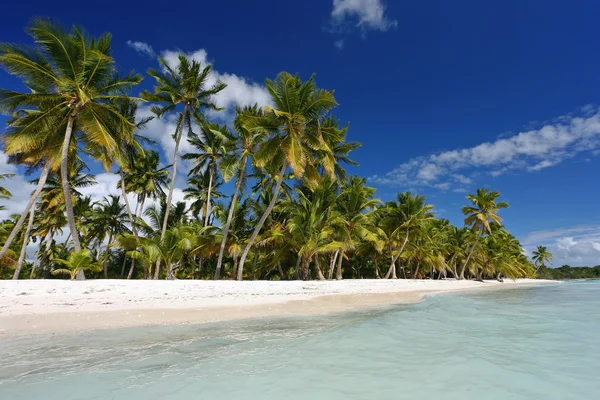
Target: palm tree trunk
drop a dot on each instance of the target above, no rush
(318, 269)
(171, 186)
(210, 181)
(235, 267)
(46, 254)
(130, 214)
(297, 269)
(338, 272)
(24, 246)
(174, 174)
(377, 271)
(417, 270)
(462, 272)
(106, 255)
(32, 200)
(64, 176)
(392, 269)
(332, 264)
(238, 187)
(281, 273)
(139, 209)
(261, 221)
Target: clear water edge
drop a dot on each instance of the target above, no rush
(531, 343)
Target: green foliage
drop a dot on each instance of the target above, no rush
(567, 272)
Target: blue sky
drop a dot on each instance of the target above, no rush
(445, 96)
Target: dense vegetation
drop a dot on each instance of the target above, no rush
(567, 272)
(293, 214)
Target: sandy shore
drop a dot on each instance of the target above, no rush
(47, 306)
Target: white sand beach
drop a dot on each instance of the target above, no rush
(31, 306)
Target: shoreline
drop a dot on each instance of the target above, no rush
(53, 306)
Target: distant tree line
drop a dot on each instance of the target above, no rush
(567, 272)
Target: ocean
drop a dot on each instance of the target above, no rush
(539, 342)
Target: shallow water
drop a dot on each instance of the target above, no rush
(528, 343)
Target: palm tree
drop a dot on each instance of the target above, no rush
(401, 218)
(197, 192)
(540, 256)
(215, 144)
(355, 204)
(295, 141)
(479, 215)
(185, 85)
(76, 263)
(246, 141)
(145, 178)
(5, 194)
(73, 78)
(110, 219)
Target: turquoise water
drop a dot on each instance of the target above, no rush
(530, 343)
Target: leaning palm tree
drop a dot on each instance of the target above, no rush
(540, 256)
(409, 214)
(478, 216)
(247, 142)
(296, 140)
(72, 78)
(184, 89)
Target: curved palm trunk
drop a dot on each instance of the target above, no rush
(210, 181)
(462, 272)
(171, 186)
(24, 246)
(64, 176)
(332, 264)
(318, 269)
(338, 271)
(377, 271)
(280, 270)
(417, 270)
(238, 187)
(392, 269)
(32, 200)
(261, 221)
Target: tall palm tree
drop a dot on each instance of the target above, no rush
(246, 141)
(540, 256)
(183, 89)
(478, 216)
(295, 141)
(409, 213)
(73, 78)
(214, 145)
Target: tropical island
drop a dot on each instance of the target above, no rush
(293, 212)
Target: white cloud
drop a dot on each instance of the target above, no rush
(533, 150)
(239, 90)
(18, 186)
(142, 48)
(339, 44)
(575, 246)
(369, 13)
